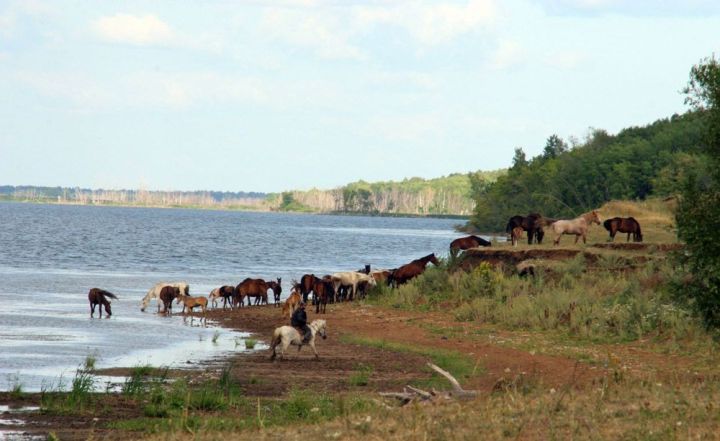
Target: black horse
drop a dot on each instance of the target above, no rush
(532, 223)
(627, 225)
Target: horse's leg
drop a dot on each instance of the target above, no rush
(285, 345)
(628, 238)
(312, 345)
(577, 236)
(92, 309)
(584, 237)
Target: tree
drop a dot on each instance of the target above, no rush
(554, 146)
(519, 160)
(698, 214)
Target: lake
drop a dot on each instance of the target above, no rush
(51, 255)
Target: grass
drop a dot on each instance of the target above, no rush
(361, 376)
(90, 361)
(459, 365)
(215, 337)
(78, 400)
(16, 387)
(250, 343)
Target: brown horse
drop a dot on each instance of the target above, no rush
(323, 291)
(167, 295)
(532, 223)
(413, 269)
(463, 243)
(627, 225)
(306, 285)
(191, 303)
(98, 297)
(516, 235)
(276, 289)
(226, 292)
(251, 288)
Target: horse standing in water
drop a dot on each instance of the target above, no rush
(463, 243)
(624, 225)
(98, 297)
(276, 289)
(578, 226)
(154, 293)
(167, 295)
(413, 269)
(532, 223)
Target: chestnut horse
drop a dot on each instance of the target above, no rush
(291, 303)
(624, 225)
(532, 223)
(191, 302)
(578, 226)
(323, 291)
(276, 289)
(463, 243)
(516, 235)
(413, 269)
(306, 286)
(250, 288)
(167, 295)
(98, 297)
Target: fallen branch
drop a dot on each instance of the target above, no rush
(457, 391)
(413, 394)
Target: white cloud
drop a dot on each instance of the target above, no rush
(566, 59)
(432, 23)
(406, 127)
(133, 29)
(508, 54)
(322, 32)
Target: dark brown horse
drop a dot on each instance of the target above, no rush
(250, 288)
(98, 297)
(532, 223)
(412, 269)
(226, 292)
(323, 291)
(167, 295)
(627, 225)
(464, 243)
(307, 281)
(276, 289)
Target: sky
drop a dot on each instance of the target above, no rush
(293, 94)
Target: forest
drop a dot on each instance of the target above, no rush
(567, 180)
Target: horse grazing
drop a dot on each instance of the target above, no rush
(578, 226)
(250, 288)
(276, 289)
(98, 297)
(516, 235)
(191, 303)
(324, 290)
(464, 243)
(167, 295)
(225, 292)
(154, 293)
(291, 304)
(532, 223)
(624, 225)
(350, 279)
(413, 269)
(284, 336)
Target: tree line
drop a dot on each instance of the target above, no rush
(568, 179)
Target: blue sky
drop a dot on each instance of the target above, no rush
(293, 94)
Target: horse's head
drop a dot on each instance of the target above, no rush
(320, 327)
(434, 260)
(108, 310)
(143, 304)
(595, 217)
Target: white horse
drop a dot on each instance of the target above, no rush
(287, 335)
(154, 293)
(351, 278)
(214, 296)
(578, 226)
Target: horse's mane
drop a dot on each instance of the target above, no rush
(607, 223)
(422, 259)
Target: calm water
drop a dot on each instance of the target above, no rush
(50, 256)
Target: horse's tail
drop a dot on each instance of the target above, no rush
(607, 223)
(111, 295)
(277, 337)
(547, 221)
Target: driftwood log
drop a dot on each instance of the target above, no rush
(412, 394)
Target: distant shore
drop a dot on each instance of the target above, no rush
(245, 208)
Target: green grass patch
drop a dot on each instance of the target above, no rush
(361, 375)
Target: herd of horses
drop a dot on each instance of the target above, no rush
(348, 285)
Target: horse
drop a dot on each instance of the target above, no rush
(532, 223)
(191, 303)
(167, 294)
(627, 225)
(365, 270)
(463, 243)
(285, 336)
(306, 283)
(324, 290)
(413, 269)
(276, 289)
(291, 304)
(250, 288)
(154, 293)
(225, 292)
(382, 276)
(97, 296)
(350, 279)
(516, 235)
(578, 226)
